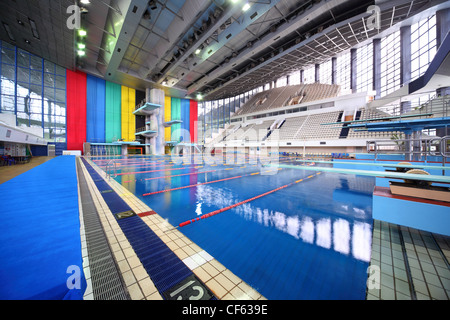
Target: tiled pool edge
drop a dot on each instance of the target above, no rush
(411, 264)
(221, 281)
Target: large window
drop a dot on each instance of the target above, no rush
(34, 90)
(390, 63)
(423, 45)
(310, 74)
(325, 72)
(364, 68)
(343, 70)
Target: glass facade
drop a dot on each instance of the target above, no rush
(423, 45)
(364, 68)
(390, 63)
(34, 90)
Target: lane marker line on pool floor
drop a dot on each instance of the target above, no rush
(213, 213)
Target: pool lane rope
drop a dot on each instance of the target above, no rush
(213, 213)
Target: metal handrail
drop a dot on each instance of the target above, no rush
(399, 146)
(108, 175)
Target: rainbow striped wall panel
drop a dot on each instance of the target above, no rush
(185, 118)
(176, 115)
(95, 109)
(113, 112)
(193, 118)
(128, 119)
(76, 110)
(167, 116)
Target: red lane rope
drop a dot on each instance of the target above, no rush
(213, 213)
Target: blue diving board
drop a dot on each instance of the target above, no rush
(383, 174)
(147, 133)
(405, 126)
(146, 109)
(40, 233)
(379, 119)
(169, 123)
(378, 164)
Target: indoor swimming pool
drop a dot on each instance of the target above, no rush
(308, 240)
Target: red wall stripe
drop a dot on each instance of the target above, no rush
(193, 117)
(76, 110)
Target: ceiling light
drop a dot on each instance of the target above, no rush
(199, 96)
(81, 53)
(8, 31)
(81, 46)
(198, 51)
(33, 28)
(246, 7)
(82, 33)
(85, 1)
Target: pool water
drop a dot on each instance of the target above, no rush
(311, 240)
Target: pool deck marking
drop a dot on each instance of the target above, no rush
(220, 280)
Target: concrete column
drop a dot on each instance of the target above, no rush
(302, 76)
(376, 79)
(442, 28)
(317, 73)
(405, 63)
(353, 70)
(333, 70)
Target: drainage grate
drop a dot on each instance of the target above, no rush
(107, 282)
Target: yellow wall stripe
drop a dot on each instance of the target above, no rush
(167, 116)
(128, 120)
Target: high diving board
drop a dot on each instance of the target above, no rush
(381, 174)
(380, 119)
(388, 165)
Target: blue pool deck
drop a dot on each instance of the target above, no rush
(42, 237)
(40, 234)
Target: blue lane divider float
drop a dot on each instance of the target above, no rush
(165, 268)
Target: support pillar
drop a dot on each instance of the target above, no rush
(334, 70)
(405, 63)
(353, 70)
(376, 82)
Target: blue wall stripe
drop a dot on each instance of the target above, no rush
(95, 109)
(185, 105)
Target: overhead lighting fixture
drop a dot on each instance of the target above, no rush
(152, 5)
(164, 83)
(147, 15)
(85, 1)
(8, 31)
(33, 28)
(199, 96)
(81, 53)
(246, 7)
(82, 33)
(198, 51)
(81, 46)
